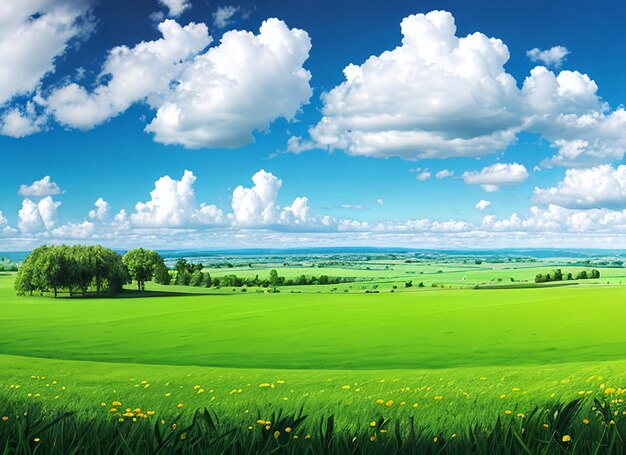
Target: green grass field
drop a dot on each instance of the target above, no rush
(451, 358)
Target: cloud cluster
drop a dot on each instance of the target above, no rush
(597, 187)
(223, 16)
(37, 216)
(130, 75)
(176, 7)
(40, 188)
(492, 178)
(550, 57)
(438, 95)
(435, 96)
(236, 88)
(33, 33)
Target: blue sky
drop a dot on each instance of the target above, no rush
(520, 106)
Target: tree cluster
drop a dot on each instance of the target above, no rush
(78, 269)
(73, 268)
(557, 275)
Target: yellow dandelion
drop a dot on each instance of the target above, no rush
(150, 413)
(507, 412)
(389, 403)
(612, 422)
(373, 438)
(503, 396)
(345, 387)
(180, 406)
(265, 384)
(103, 404)
(515, 389)
(435, 439)
(173, 426)
(586, 421)
(439, 397)
(379, 401)
(288, 430)
(116, 403)
(5, 418)
(113, 409)
(267, 427)
(545, 425)
(276, 434)
(308, 436)
(36, 439)
(372, 424)
(520, 415)
(183, 436)
(415, 405)
(610, 390)
(168, 394)
(566, 438)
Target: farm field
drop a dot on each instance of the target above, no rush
(452, 356)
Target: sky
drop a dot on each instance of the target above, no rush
(281, 124)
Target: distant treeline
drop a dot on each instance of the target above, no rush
(6, 265)
(188, 274)
(557, 275)
(78, 269)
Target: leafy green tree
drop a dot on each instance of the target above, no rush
(142, 265)
(197, 278)
(162, 275)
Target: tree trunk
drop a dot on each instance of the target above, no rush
(55, 293)
(138, 285)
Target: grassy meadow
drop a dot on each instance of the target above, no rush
(453, 357)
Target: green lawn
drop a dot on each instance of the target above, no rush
(449, 357)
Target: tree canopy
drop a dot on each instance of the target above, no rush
(73, 268)
(144, 265)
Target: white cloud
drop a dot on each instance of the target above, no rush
(223, 17)
(173, 204)
(20, 122)
(257, 205)
(550, 57)
(176, 7)
(101, 212)
(491, 178)
(566, 110)
(422, 175)
(482, 205)
(236, 88)
(40, 188)
(599, 187)
(435, 96)
(380, 201)
(33, 33)
(37, 216)
(444, 173)
(137, 74)
(352, 207)
(70, 230)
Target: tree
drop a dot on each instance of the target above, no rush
(162, 275)
(273, 279)
(196, 278)
(142, 265)
(73, 268)
(595, 274)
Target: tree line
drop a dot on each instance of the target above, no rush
(189, 274)
(78, 269)
(557, 275)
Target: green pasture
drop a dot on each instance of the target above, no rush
(449, 357)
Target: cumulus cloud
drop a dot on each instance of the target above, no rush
(173, 204)
(380, 201)
(566, 110)
(22, 121)
(438, 96)
(33, 33)
(482, 205)
(550, 57)
(435, 96)
(598, 187)
(258, 206)
(71, 230)
(101, 212)
(176, 7)
(236, 88)
(40, 188)
(223, 17)
(132, 75)
(37, 216)
(444, 173)
(492, 178)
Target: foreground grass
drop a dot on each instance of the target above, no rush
(558, 429)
